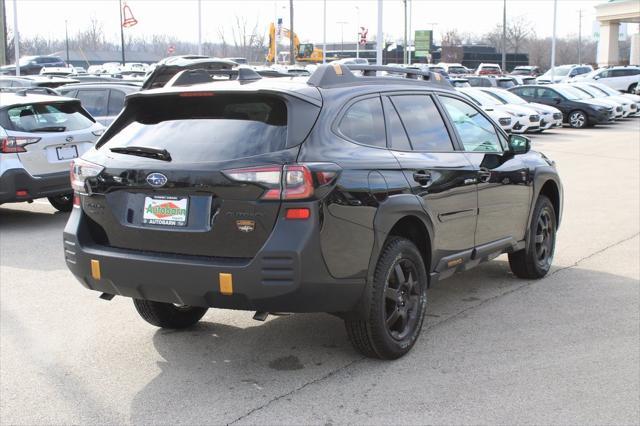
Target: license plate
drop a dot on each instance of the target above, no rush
(67, 152)
(168, 211)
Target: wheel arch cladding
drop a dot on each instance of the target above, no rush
(413, 228)
(551, 191)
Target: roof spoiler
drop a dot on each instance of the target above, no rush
(332, 75)
(200, 76)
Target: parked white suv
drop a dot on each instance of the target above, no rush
(563, 73)
(624, 79)
(39, 136)
(488, 69)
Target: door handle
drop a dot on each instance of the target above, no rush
(484, 175)
(422, 177)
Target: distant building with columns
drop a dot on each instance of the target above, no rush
(609, 16)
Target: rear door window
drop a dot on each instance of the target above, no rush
(54, 117)
(94, 101)
(364, 123)
(398, 139)
(116, 102)
(203, 129)
(423, 123)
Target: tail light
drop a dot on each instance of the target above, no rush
(13, 144)
(80, 171)
(289, 182)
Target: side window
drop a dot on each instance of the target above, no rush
(547, 94)
(364, 123)
(93, 101)
(475, 131)
(398, 139)
(116, 102)
(526, 91)
(71, 93)
(423, 122)
(605, 74)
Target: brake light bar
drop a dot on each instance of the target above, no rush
(195, 94)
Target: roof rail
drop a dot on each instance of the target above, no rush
(199, 76)
(334, 75)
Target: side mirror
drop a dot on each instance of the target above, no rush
(519, 144)
(596, 77)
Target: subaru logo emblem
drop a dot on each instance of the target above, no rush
(69, 139)
(156, 180)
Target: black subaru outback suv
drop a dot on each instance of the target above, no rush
(346, 193)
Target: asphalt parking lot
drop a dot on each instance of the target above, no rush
(495, 349)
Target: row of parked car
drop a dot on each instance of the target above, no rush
(47, 120)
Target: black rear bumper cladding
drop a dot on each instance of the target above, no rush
(48, 185)
(287, 275)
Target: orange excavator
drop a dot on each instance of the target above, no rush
(304, 52)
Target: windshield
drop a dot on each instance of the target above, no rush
(606, 89)
(54, 117)
(508, 97)
(205, 129)
(457, 70)
(590, 90)
(572, 94)
(560, 71)
(482, 98)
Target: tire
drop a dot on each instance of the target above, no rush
(398, 300)
(534, 261)
(632, 88)
(578, 119)
(168, 315)
(63, 203)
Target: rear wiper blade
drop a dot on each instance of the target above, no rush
(143, 151)
(49, 129)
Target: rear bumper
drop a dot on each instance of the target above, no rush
(48, 185)
(287, 275)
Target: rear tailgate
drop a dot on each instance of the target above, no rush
(186, 201)
(57, 133)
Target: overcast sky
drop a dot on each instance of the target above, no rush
(179, 17)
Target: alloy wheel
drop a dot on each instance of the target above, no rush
(544, 238)
(402, 299)
(577, 119)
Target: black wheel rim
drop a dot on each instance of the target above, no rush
(402, 299)
(544, 238)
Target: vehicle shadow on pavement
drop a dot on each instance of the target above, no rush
(220, 367)
(217, 373)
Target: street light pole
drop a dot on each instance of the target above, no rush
(379, 35)
(404, 47)
(341, 23)
(16, 37)
(121, 33)
(357, 32)
(324, 32)
(504, 36)
(199, 27)
(580, 36)
(553, 40)
(66, 39)
(292, 57)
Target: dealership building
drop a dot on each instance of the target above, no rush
(610, 15)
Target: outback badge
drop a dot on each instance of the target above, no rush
(246, 225)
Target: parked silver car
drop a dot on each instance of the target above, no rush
(39, 136)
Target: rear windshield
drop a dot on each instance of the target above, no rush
(204, 129)
(457, 70)
(52, 117)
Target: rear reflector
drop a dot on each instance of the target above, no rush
(226, 284)
(95, 269)
(76, 200)
(22, 193)
(298, 214)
